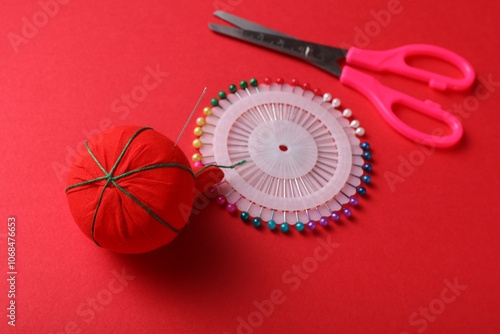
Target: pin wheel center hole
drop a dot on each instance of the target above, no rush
(283, 148)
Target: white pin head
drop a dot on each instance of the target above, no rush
(360, 131)
(335, 102)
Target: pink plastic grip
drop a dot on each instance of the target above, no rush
(394, 61)
(384, 99)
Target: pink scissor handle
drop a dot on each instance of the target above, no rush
(384, 98)
(394, 61)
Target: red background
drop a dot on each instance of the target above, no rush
(438, 223)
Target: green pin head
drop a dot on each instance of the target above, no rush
(214, 102)
(222, 94)
(233, 88)
(243, 84)
(253, 82)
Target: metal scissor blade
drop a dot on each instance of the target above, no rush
(247, 25)
(319, 55)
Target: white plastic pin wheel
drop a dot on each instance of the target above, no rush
(304, 161)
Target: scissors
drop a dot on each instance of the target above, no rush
(384, 98)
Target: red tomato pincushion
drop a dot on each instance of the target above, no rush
(131, 191)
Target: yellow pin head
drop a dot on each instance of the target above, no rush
(197, 143)
(207, 111)
(198, 131)
(200, 121)
(197, 157)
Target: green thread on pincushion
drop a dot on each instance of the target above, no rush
(242, 162)
(112, 179)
